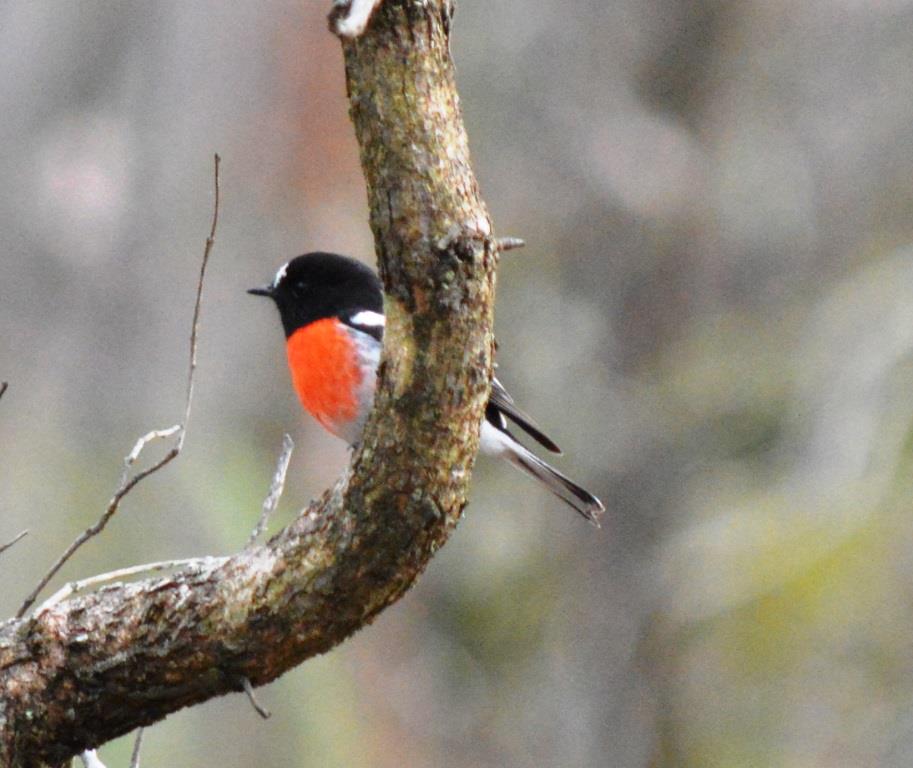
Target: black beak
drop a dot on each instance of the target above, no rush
(266, 290)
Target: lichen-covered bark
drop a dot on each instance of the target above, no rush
(96, 666)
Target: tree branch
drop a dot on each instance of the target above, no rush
(95, 666)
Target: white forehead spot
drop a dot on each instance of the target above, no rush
(280, 274)
(368, 318)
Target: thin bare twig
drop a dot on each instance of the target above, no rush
(275, 489)
(129, 483)
(137, 745)
(99, 526)
(195, 326)
(73, 587)
(90, 759)
(155, 434)
(21, 535)
(4, 385)
(260, 709)
(510, 243)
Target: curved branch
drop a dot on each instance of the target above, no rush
(92, 667)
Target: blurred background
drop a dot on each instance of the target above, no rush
(713, 316)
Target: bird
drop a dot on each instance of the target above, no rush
(331, 309)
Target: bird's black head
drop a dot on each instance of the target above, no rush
(320, 285)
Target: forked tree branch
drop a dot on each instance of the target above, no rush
(90, 667)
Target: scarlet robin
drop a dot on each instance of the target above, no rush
(332, 312)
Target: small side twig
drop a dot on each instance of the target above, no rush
(349, 18)
(137, 745)
(21, 535)
(195, 325)
(73, 587)
(126, 486)
(258, 707)
(510, 243)
(90, 759)
(275, 489)
(4, 385)
(129, 483)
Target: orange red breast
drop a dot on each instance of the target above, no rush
(325, 373)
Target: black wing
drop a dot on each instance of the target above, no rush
(501, 404)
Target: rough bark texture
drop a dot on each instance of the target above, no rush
(94, 667)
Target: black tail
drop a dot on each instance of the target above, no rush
(584, 502)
